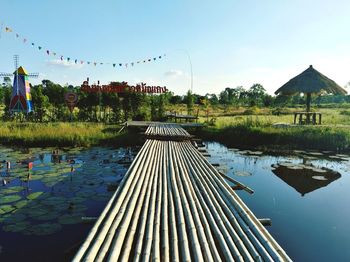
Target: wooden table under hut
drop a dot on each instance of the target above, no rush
(179, 117)
(306, 118)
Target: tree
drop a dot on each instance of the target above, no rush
(55, 94)
(189, 102)
(212, 98)
(175, 100)
(40, 102)
(6, 82)
(256, 94)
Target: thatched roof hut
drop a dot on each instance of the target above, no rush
(308, 82)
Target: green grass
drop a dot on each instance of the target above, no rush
(63, 134)
(252, 133)
(259, 130)
(329, 117)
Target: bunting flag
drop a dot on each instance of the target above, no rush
(76, 61)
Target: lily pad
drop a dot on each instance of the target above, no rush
(321, 178)
(341, 155)
(45, 229)
(69, 219)
(9, 199)
(17, 227)
(286, 164)
(315, 153)
(254, 153)
(86, 193)
(37, 212)
(296, 167)
(319, 170)
(101, 197)
(21, 203)
(14, 189)
(35, 195)
(6, 209)
(14, 218)
(49, 216)
(53, 200)
(242, 173)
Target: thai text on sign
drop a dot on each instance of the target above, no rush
(121, 87)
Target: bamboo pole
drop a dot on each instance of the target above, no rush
(244, 187)
(164, 216)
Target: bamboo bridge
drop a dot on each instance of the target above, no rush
(174, 205)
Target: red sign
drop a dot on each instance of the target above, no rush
(71, 100)
(116, 87)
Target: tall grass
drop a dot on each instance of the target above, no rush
(253, 132)
(61, 134)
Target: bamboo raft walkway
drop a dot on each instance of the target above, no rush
(173, 205)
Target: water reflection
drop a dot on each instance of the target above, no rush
(314, 227)
(305, 180)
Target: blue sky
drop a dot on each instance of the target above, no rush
(230, 43)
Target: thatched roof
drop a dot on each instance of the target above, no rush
(310, 81)
(303, 180)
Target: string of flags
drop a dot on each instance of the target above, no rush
(49, 52)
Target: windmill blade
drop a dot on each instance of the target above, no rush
(33, 75)
(6, 74)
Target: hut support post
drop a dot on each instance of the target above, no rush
(308, 104)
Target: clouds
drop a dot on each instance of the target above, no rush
(174, 73)
(63, 64)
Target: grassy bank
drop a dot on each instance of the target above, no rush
(63, 134)
(301, 137)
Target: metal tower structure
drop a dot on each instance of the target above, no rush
(21, 98)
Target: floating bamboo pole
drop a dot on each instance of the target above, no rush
(174, 205)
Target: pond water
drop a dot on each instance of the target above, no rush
(305, 194)
(48, 198)
(41, 208)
